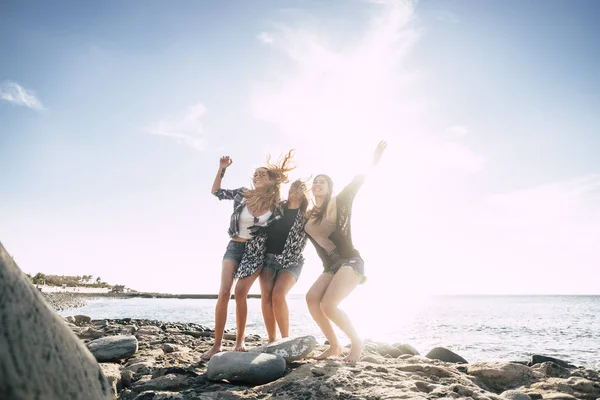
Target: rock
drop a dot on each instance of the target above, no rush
(113, 348)
(515, 395)
(406, 349)
(81, 320)
(39, 356)
(112, 372)
(291, 349)
(160, 395)
(551, 369)
(70, 319)
(538, 359)
(584, 386)
(501, 376)
(170, 382)
(252, 368)
(172, 348)
(558, 396)
(127, 377)
(90, 333)
(142, 368)
(443, 354)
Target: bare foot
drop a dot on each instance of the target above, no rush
(332, 351)
(356, 350)
(211, 352)
(240, 347)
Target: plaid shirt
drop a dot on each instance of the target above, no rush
(239, 201)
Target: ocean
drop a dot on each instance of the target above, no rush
(479, 328)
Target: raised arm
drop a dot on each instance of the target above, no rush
(224, 163)
(357, 182)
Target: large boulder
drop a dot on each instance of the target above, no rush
(39, 355)
(291, 349)
(113, 348)
(251, 368)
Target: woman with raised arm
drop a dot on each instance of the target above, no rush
(329, 229)
(282, 265)
(252, 209)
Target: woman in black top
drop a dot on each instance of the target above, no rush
(286, 240)
(329, 230)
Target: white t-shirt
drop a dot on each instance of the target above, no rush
(247, 220)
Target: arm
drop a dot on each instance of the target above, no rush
(224, 163)
(358, 180)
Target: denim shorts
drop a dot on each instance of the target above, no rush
(235, 251)
(335, 262)
(275, 266)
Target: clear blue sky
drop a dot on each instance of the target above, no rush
(113, 116)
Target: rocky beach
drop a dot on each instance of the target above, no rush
(145, 359)
(49, 357)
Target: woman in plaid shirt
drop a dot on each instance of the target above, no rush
(329, 230)
(252, 209)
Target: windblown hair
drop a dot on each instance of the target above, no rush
(278, 174)
(319, 212)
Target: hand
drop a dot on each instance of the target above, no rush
(379, 152)
(225, 162)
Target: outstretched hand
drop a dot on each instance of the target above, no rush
(225, 161)
(379, 152)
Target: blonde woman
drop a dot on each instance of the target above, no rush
(253, 209)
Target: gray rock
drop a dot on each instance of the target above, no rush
(252, 368)
(82, 320)
(113, 348)
(515, 395)
(291, 349)
(538, 359)
(127, 377)
(443, 354)
(39, 355)
(170, 382)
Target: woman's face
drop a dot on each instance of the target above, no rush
(297, 191)
(261, 178)
(320, 186)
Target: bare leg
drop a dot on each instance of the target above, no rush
(283, 284)
(343, 283)
(227, 270)
(313, 299)
(266, 288)
(241, 309)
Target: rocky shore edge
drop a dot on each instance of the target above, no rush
(145, 359)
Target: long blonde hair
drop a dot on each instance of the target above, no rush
(278, 174)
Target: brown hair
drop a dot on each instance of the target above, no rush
(278, 174)
(319, 212)
(304, 203)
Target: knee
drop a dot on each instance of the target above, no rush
(278, 296)
(312, 300)
(266, 297)
(224, 294)
(329, 308)
(240, 292)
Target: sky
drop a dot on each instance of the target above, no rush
(113, 116)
